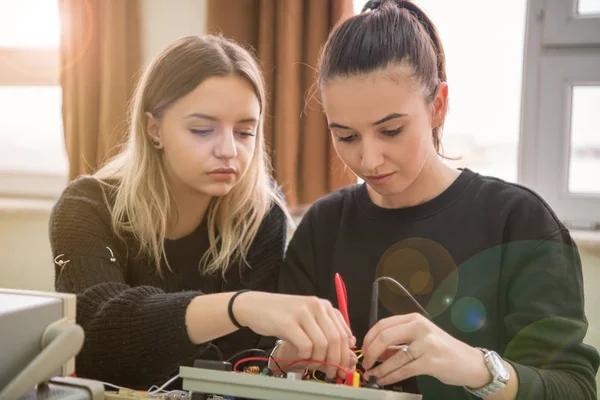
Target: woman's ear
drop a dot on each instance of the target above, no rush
(153, 131)
(440, 105)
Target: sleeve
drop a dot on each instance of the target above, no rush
(544, 319)
(306, 268)
(134, 336)
(264, 259)
(298, 273)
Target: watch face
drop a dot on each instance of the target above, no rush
(499, 366)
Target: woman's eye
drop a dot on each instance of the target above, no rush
(392, 132)
(345, 138)
(201, 131)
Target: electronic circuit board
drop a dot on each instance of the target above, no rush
(261, 387)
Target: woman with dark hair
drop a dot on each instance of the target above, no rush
(495, 303)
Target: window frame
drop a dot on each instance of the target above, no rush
(564, 26)
(552, 63)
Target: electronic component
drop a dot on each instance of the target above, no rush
(128, 394)
(211, 364)
(295, 376)
(253, 369)
(349, 378)
(356, 380)
(62, 388)
(273, 388)
(39, 339)
(372, 382)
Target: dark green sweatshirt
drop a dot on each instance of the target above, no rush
(490, 262)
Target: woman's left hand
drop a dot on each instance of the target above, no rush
(421, 348)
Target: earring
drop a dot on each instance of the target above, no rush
(155, 143)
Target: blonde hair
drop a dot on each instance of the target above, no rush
(143, 202)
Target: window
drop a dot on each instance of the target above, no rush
(586, 7)
(584, 161)
(484, 78)
(33, 160)
(560, 152)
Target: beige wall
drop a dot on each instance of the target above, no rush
(25, 257)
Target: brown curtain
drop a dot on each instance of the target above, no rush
(287, 36)
(100, 56)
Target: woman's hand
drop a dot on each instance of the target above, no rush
(411, 345)
(287, 351)
(314, 328)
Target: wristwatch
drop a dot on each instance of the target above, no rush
(495, 364)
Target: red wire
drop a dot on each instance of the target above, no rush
(291, 362)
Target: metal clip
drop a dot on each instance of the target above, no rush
(112, 256)
(60, 263)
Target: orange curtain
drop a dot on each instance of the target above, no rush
(287, 36)
(100, 57)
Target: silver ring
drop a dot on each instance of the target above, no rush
(406, 351)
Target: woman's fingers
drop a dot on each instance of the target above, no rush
(319, 332)
(389, 352)
(398, 359)
(393, 375)
(308, 322)
(383, 325)
(342, 322)
(403, 333)
(296, 336)
(332, 334)
(347, 357)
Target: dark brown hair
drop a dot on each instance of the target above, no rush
(386, 33)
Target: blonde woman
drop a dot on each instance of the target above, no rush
(178, 241)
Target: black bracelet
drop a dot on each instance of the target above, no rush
(230, 308)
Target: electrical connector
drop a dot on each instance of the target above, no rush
(349, 379)
(356, 380)
(294, 376)
(372, 382)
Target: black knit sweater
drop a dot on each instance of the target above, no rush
(134, 320)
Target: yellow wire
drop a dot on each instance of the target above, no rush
(359, 356)
(358, 353)
(315, 377)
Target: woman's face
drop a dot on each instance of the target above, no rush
(381, 125)
(208, 137)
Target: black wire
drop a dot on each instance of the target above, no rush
(398, 284)
(217, 350)
(276, 363)
(248, 351)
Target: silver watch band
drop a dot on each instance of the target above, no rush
(498, 379)
(486, 390)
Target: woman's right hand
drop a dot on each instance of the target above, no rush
(311, 325)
